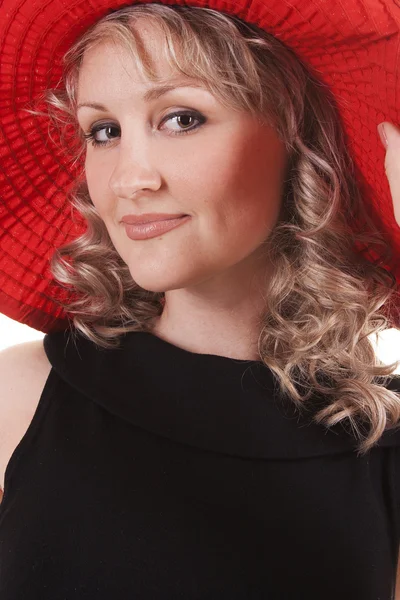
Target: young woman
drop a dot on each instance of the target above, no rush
(206, 417)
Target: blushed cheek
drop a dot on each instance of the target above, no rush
(265, 174)
(248, 186)
(258, 199)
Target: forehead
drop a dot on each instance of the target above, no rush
(113, 72)
(112, 54)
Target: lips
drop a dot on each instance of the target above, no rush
(150, 218)
(151, 229)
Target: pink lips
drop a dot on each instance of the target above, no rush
(149, 217)
(144, 231)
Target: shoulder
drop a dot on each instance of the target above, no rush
(24, 369)
(22, 365)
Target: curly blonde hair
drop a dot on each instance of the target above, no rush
(324, 298)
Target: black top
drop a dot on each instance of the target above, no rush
(151, 472)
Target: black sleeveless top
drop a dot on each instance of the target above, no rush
(149, 472)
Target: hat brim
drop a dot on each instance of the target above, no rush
(354, 48)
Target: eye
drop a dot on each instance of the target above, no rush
(103, 129)
(103, 134)
(184, 117)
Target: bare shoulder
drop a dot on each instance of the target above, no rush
(24, 369)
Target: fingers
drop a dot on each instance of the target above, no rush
(390, 137)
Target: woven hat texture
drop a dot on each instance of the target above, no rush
(352, 45)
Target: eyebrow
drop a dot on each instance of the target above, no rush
(152, 94)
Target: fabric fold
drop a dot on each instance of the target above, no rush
(208, 401)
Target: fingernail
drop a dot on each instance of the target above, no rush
(382, 135)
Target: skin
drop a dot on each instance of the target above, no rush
(391, 142)
(227, 174)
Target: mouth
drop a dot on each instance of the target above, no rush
(151, 229)
(150, 218)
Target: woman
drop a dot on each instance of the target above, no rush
(214, 422)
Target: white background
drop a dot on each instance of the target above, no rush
(12, 332)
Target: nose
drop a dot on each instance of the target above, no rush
(134, 170)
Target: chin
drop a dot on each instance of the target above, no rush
(153, 284)
(162, 284)
(165, 278)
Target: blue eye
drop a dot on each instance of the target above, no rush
(109, 129)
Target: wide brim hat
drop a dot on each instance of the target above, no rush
(352, 46)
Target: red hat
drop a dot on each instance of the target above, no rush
(352, 45)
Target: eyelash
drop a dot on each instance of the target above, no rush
(95, 129)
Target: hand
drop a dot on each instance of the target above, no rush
(390, 137)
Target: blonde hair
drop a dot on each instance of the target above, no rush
(324, 299)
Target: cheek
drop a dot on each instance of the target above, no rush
(97, 177)
(241, 188)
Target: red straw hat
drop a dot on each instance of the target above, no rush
(353, 45)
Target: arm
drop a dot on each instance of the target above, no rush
(24, 369)
(397, 588)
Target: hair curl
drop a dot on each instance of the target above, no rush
(323, 299)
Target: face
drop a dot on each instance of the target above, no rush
(221, 167)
